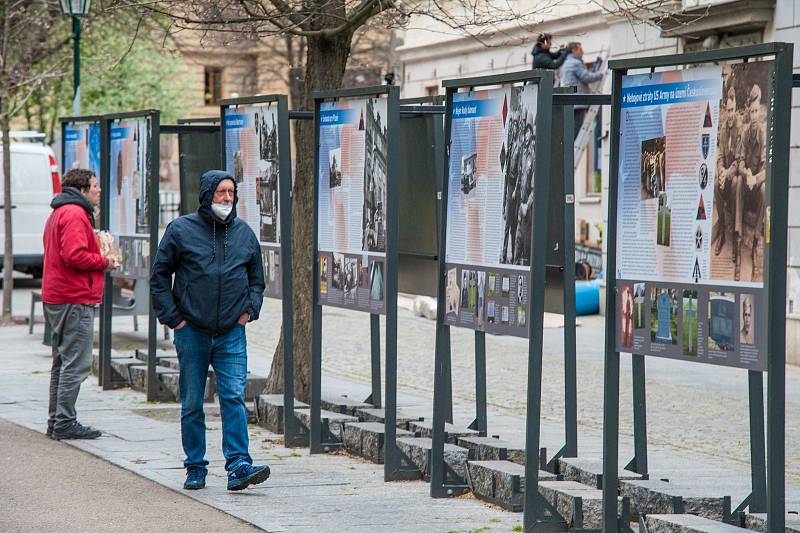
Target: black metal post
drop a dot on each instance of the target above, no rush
(153, 383)
(441, 376)
(611, 368)
(392, 462)
(639, 462)
(375, 359)
(758, 467)
(480, 423)
(104, 365)
(778, 128)
(315, 429)
(570, 357)
(541, 186)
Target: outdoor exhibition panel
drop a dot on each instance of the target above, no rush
(356, 231)
(256, 149)
(493, 234)
(80, 143)
(129, 212)
(697, 235)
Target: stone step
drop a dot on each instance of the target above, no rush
(579, 505)
(269, 411)
(654, 496)
(589, 471)
(686, 523)
(366, 439)
(168, 378)
(343, 405)
(333, 421)
(120, 369)
(424, 428)
(492, 449)
(378, 414)
(758, 522)
(418, 450)
(501, 482)
(160, 354)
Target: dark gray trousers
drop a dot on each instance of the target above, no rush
(73, 333)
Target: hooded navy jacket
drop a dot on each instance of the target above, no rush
(219, 273)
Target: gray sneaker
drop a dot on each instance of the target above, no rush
(76, 431)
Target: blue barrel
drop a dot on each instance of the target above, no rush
(587, 297)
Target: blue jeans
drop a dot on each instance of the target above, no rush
(227, 355)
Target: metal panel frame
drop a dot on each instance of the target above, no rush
(778, 129)
(153, 386)
(294, 434)
(441, 484)
(394, 466)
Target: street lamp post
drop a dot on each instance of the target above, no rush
(76, 9)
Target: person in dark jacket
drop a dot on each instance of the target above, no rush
(72, 287)
(218, 288)
(543, 57)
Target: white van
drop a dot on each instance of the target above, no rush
(34, 181)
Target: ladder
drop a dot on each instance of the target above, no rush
(586, 129)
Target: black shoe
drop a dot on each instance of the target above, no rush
(49, 431)
(76, 431)
(195, 478)
(247, 475)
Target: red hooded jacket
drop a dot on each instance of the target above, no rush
(73, 265)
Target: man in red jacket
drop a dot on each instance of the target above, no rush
(72, 286)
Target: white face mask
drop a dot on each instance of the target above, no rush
(221, 211)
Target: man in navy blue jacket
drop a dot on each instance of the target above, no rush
(218, 288)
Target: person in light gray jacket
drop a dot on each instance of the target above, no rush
(574, 73)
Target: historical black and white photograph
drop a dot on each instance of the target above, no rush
(654, 167)
(267, 197)
(747, 318)
(737, 234)
(721, 320)
(375, 172)
(335, 167)
(337, 271)
(469, 171)
(350, 286)
(517, 162)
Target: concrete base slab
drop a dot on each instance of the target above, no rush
(568, 497)
(269, 411)
(170, 379)
(418, 450)
(424, 428)
(334, 421)
(492, 449)
(343, 405)
(366, 439)
(588, 471)
(758, 522)
(653, 496)
(686, 523)
(402, 417)
(501, 482)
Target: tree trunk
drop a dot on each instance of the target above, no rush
(8, 252)
(326, 60)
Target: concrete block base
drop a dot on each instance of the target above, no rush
(418, 450)
(686, 523)
(424, 428)
(653, 496)
(501, 482)
(366, 439)
(269, 411)
(588, 471)
(491, 449)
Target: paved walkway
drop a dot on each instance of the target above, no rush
(697, 416)
(48, 486)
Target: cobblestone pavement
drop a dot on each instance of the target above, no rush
(697, 414)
